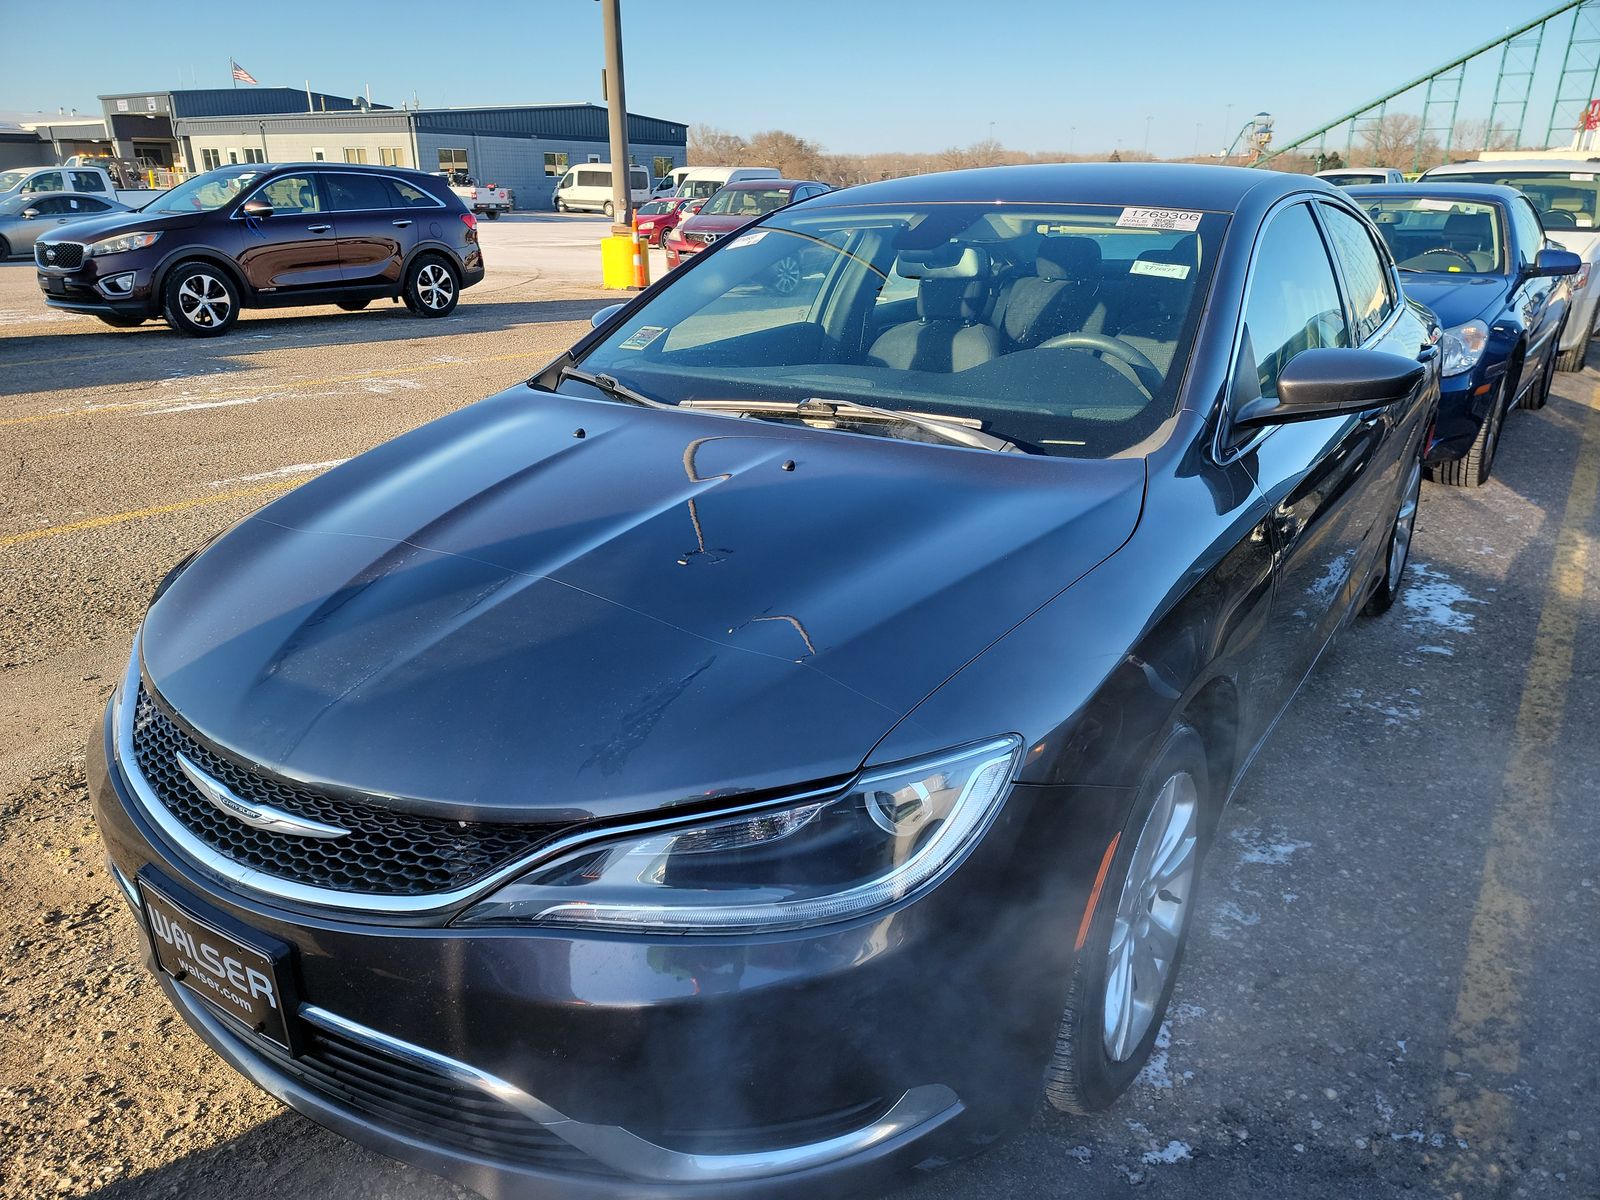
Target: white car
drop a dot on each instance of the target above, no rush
(1566, 191)
(1362, 176)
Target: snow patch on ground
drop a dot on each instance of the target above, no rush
(1173, 1152)
(1230, 915)
(1271, 850)
(1156, 1072)
(1431, 598)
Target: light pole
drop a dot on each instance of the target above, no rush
(1148, 118)
(617, 111)
(1227, 130)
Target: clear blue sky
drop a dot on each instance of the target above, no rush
(855, 75)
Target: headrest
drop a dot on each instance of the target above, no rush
(949, 261)
(1064, 257)
(1569, 204)
(941, 298)
(1467, 223)
(1182, 251)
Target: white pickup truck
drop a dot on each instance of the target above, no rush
(93, 181)
(486, 200)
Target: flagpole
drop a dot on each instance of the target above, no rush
(232, 76)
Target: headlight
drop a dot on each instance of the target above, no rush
(803, 863)
(1463, 346)
(122, 243)
(1581, 279)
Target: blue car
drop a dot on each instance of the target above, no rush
(1477, 255)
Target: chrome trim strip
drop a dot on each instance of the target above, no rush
(645, 1160)
(125, 886)
(272, 888)
(257, 816)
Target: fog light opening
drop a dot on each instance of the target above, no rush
(117, 286)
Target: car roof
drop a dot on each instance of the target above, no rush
(769, 184)
(100, 196)
(1444, 191)
(1157, 185)
(1557, 165)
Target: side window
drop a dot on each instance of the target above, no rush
(1530, 230)
(1365, 272)
(89, 204)
(49, 181)
(356, 193)
(406, 196)
(1293, 303)
(87, 181)
(567, 179)
(52, 206)
(292, 195)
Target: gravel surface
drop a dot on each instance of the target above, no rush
(1325, 1040)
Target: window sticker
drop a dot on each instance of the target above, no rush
(642, 337)
(748, 239)
(1159, 218)
(1430, 204)
(1159, 269)
(1582, 176)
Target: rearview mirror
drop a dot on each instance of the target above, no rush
(1326, 383)
(605, 314)
(256, 208)
(1556, 262)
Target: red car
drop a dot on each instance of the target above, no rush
(656, 217)
(734, 207)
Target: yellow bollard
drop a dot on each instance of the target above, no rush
(616, 262)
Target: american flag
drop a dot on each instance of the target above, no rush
(242, 75)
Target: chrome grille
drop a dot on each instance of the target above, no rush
(386, 853)
(64, 256)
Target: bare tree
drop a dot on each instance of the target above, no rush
(710, 146)
(1389, 141)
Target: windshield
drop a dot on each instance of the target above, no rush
(746, 202)
(12, 205)
(698, 189)
(205, 193)
(1565, 199)
(654, 208)
(1049, 325)
(10, 179)
(1354, 178)
(1439, 234)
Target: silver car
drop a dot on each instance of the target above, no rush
(24, 218)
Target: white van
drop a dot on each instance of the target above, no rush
(700, 182)
(667, 185)
(587, 188)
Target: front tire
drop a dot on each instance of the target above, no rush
(1472, 469)
(200, 300)
(1399, 549)
(1122, 978)
(5, 249)
(432, 287)
(1572, 360)
(608, 210)
(1540, 393)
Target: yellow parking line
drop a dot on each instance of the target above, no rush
(156, 510)
(1485, 1034)
(258, 385)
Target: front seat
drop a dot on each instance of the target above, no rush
(1471, 234)
(952, 287)
(1058, 297)
(1156, 302)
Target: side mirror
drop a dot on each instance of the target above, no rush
(1326, 383)
(29, 214)
(256, 208)
(1556, 262)
(605, 314)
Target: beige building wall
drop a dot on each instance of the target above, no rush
(390, 148)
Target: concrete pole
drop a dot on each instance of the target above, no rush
(617, 111)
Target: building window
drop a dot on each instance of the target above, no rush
(662, 165)
(210, 160)
(252, 155)
(318, 154)
(594, 158)
(391, 156)
(355, 154)
(556, 164)
(233, 156)
(452, 160)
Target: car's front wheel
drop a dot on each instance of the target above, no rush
(432, 287)
(200, 300)
(608, 210)
(1127, 960)
(1539, 395)
(1572, 360)
(1394, 564)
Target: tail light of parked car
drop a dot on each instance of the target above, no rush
(471, 222)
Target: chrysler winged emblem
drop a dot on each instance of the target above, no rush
(259, 816)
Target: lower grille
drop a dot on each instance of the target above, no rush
(409, 1098)
(66, 256)
(386, 852)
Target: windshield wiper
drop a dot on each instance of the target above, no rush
(961, 431)
(612, 387)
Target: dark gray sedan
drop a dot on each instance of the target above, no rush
(24, 218)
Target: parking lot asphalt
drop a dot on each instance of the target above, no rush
(1390, 987)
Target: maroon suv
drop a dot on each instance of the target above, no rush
(734, 207)
(258, 235)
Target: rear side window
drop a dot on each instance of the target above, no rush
(1365, 272)
(406, 196)
(52, 206)
(356, 193)
(1293, 303)
(87, 181)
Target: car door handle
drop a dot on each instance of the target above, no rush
(400, 224)
(318, 228)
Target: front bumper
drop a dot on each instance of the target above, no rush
(813, 1062)
(1464, 404)
(117, 284)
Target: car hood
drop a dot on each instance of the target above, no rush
(716, 223)
(95, 228)
(496, 616)
(1457, 299)
(1582, 242)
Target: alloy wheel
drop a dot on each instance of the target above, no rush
(204, 300)
(1151, 914)
(435, 287)
(1405, 522)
